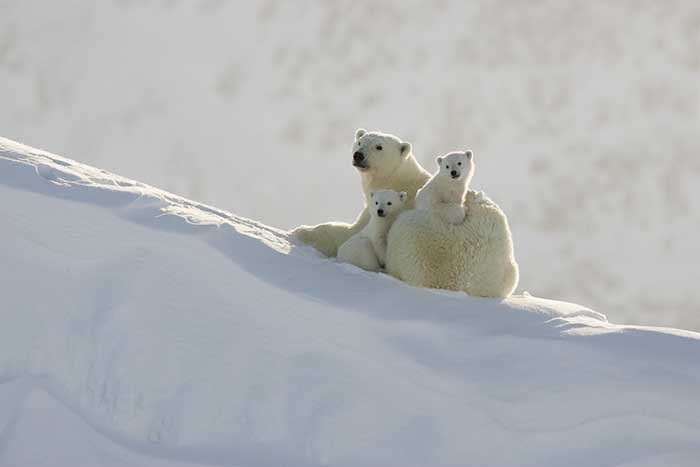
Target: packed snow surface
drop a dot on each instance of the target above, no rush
(584, 117)
(140, 328)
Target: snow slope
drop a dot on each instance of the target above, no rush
(140, 328)
(584, 116)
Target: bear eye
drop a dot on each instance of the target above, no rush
(447, 166)
(389, 203)
(459, 163)
(376, 203)
(379, 147)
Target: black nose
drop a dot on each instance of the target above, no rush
(380, 212)
(453, 173)
(358, 157)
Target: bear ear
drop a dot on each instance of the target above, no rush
(359, 133)
(438, 159)
(371, 194)
(402, 196)
(405, 149)
(468, 153)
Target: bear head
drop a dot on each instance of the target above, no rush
(377, 153)
(387, 203)
(456, 165)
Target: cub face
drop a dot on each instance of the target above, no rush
(386, 203)
(456, 165)
(378, 153)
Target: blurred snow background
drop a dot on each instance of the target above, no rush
(584, 117)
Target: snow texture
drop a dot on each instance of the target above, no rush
(140, 328)
(584, 116)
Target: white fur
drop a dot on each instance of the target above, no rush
(443, 195)
(367, 248)
(475, 257)
(393, 167)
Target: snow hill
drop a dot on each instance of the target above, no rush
(584, 117)
(140, 328)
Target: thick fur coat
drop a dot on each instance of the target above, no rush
(474, 256)
(444, 194)
(384, 162)
(367, 248)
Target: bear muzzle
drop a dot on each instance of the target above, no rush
(454, 174)
(359, 160)
(381, 213)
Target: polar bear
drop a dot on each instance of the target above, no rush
(445, 192)
(475, 256)
(367, 248)
(383, 162)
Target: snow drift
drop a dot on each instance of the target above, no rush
(584, 116)
(140, 328)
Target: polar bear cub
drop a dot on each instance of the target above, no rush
(446, 190)
(367, 248)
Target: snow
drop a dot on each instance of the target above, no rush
(141, 328)
(583, 116)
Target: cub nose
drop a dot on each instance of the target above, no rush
(380, 212)
(358, 157)
(454, 173)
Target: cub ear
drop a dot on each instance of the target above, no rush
(402, 196)
(371, 194)
(438, 160)
(359, 133)
(405, 149)
(468, 153)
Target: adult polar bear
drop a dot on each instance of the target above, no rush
(385, 163)
(475, 257)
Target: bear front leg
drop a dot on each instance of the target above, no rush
(452, 213)
(328, 237)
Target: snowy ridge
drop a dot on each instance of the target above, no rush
(592, 107)
(142, 328)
